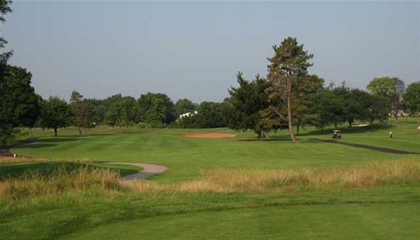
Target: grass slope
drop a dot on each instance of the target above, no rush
(388, 211)
(354, 221)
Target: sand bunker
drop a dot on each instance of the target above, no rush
(209, 135)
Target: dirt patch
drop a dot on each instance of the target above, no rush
(209, 135)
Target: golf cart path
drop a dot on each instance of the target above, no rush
(148, 170)
(379, 149)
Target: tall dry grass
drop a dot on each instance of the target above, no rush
(365, 175)
(22, 159)
(63, 179)
(36, 159)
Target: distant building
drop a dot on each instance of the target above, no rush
(188, 114)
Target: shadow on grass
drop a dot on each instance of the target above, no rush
(347, 130)
(132, 132)
(59, 139)
(43, 142)
(270, 139)
(34, 145)
(379, 149)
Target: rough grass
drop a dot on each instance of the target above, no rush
(22, 159)
(224, 180)
(62, 179)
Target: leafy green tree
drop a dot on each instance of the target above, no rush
(248, 102)
(375, 108)
(88, 116)
(354, 103)
(226, 109)
(156, 108)
(6, 121)
(184, 106)
(82, 110)
(4, 9)
(412, 99)
(121, 112)
(209, 115)
(192, 121)
(325, 109)
(56, 113)
(98, 110)
(308, 86)
(287, 69)
(77, 109)
(109, 100)
(19, 105)
(391, 88)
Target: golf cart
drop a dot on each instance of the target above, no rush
(336, 134)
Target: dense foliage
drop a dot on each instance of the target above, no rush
(248, 103)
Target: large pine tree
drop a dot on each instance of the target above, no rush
(287, 70)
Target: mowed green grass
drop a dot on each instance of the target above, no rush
(385, 212)
(186, 157)
(406, 136)
(356, 221)
(379, 213)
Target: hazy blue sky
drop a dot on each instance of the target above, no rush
(194, 49)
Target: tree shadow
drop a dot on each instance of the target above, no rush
(59, 139)
(347, 130)
(43, 142)
(99, 134)
(34, 145)
(282, 138)
(132, 132)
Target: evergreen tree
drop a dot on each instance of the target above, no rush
(287, 69)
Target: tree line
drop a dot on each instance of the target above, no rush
(288, 98)
(260, 105)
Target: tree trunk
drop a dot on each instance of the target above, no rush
(80, 131)
(335, 125)
(259, 135)
(265, 135)
(289, 110)
(350, 124)
(297, 129)
(55, 132)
